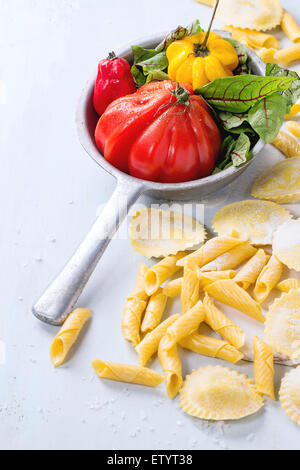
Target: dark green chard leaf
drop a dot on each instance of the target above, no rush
(238, 94)
(157, 75)
(138, 76)
(293, 93)
(227, 147)
(242, 151)
(266, 116)
(154, 64)
(231, 120)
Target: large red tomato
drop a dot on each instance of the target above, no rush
(160, 133)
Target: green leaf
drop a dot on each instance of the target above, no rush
(179, 33)
(292, 94)
(238, 94)
(241, 152)
(138, 76)
(266, 116)
(140, 54)
(156, 63)
(231, 120)
(227, 147)
(157, 75)
(239, 49)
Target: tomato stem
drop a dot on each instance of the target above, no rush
(203, 45)
(112, 56)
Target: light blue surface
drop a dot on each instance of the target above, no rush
(49, 195)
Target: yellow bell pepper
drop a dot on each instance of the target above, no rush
(191, 63)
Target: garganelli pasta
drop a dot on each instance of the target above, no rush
(134, 308)
(127, 373)
(287, 145)
(253, 39)
(68, 335)
(149, 345)
(293, 127)
(190, 292)
(185, 325)
(263, 367)
(154, 311)
(209, 3)
(209, 277)
(250, 272)
(232, 259)
(288, 284)
(267, 55)
(171, 365)
(290, 26)
(229, 293)
(211, 347)
(268, 279)
(211, 250)
(173, 288)
(161, 272)
(288, 55)
(222, 324)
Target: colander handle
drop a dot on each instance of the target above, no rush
(61, 296)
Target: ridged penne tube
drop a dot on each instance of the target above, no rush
(255, 39)
(287, 145)
(229, 293)
(266, 55)
(288, 284)
(161, 272)
(190, 292)
(211, 347)
(268, 279)
(209, 277)
(134, 308)
(290, 26)
(211, 250)
(127, 373)
(288, 55)
(263, 367)
(293, 127)
(232, 259)
(295, 109)
(185, 325)
(171, 365)
(173, 288)
(68, 335)
(154, 311)
(222, 324)
(249, 273)
(149, 345)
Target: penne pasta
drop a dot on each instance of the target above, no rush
(173, 288)
(222, 324)
(250, 272)
(154, 311)
(290, 26)
(149, 345)
(185, 325)
(68, 335)
(288, 55)
(293, 127)
(232, 259)
(287, 145)
(268, 279)
(229, 293)
(161, 272)
(209, 3)
(211, 250)
(252, 38)
(171, 365)
(211, 347)
(134, 308)
(288, 284)
(127, 373)
(190, 292)
(263, 367)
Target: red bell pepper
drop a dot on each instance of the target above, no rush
(160, 133)
(113, 81)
